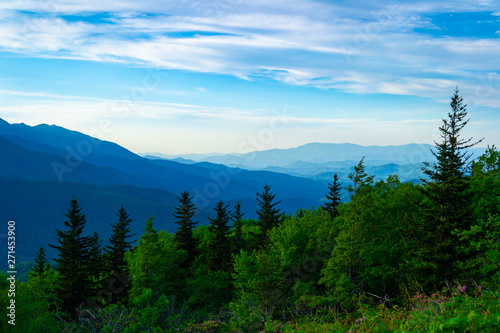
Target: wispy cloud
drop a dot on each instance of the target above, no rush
(291, 43)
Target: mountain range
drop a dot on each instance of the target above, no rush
(319, 160)
(42, 167)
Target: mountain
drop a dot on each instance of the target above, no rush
(43, 167)
(320, 160)
(322, 153)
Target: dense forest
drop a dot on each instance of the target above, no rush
(396, 257)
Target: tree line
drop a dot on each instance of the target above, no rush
(390, 240)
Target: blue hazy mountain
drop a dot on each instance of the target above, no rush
(320, 160)
(43, 167)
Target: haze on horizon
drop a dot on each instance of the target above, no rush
(231, 77)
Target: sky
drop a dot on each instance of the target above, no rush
(233, 76)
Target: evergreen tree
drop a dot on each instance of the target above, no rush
(451, 154)
(220, 246)
(41, 263)
(96, 263)
(333, 197)
(448, 212)
(184, 213)
(269, 215)
(116, 251)
(75, 280)
(237, 218)
(119, 241)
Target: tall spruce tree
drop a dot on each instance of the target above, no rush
(447, 191)
(220, 245)
(333, 197)
(119, 241)
(96, 260)
(73, 262)
(120, 244)
(41, 263)
(269, 215)
(184, 213)
(237, 218)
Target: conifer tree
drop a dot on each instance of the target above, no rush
(269, 215)
(448, 212)
(120, 244)
(119, 241)
(220, 246)
(237, 218)
(41, 263)
(333, 197)
(184, 213)
(96, 263)
(75, 280)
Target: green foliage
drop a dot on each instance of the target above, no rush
(78, 256)
(269, 215)
(119, 241)
(119, 245)
(212, 326)
(333, 197)
(209, 290)
(375, 248)
(368, 265)
(237, 241)
(36, 304)
(41, 263)
(448, 201)
(220, 245)
(153, 312)
(183, 213)
(155, 263)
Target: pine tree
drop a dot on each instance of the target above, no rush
(237, 218)
(184, 213)
(452, 157)
(119, 241)
(120, 244)
(75, 280)
(220, 246)
(269, 215)
(447, 191)
(96, 263)
(333, 197)
(41, 263)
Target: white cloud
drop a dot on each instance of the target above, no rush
(298, 43)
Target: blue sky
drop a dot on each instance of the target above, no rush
(233, 76)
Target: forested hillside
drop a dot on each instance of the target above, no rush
(396, 257)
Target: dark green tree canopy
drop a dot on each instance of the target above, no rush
(184, 213)
(451, 153)
(220, 246)
(448, 210)
(333, 197)
(41, 263)
(76, 260)
(119, 241)
(269, 215)
(237, 218)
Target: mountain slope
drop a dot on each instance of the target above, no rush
(38, 179)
